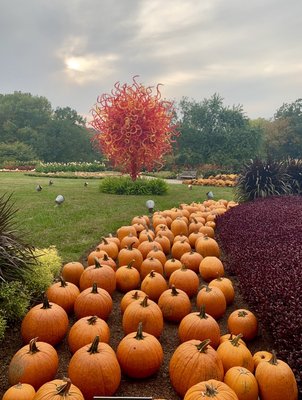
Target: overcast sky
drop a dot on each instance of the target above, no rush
(72, 51)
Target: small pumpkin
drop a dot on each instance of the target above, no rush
(140, 355)
(210, 389)
(170, 266)
(85, 330)
(93, 301)
(261, 355)
(63, 293)
(72, 272)
(147, 312)
(98, 273)
(226, 286)
(130, 297)
(199, 326)
(127, 278)
(35, 364)
(243, 321)
(128, 254)
(174, 304)
(243, 382)
(211, 267)
(213, 299)
(110, 247)
(20, 391)
(151, 264)
(179, 248)
(207, 246)
(191, 260)
(154, 284)
(59, 389)
(186, 280)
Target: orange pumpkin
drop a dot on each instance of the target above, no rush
(207, 246)
(233, 354)
(192, 362)
(127, 278)
(211, 267)
(159, 254)
(47, 321)
(191, 260)
(129, 254)
(101, 274)
(20, 391)
(110, 247)
(243, 321)
(130, 240)
(63, 293)
(170, 266)
(261, 355)
(199, 326)
(186, 280)
(59, 389)
(226, 286)
(211, 389)
(140, 355)
(154, 284)
(130, 297)
(276, 380)
(174, 304)
(147, 312)
(151, 264)
(72, 272)
(164, 242)
(94, 369)
(148, 245)
(213, 299)
(85, 330)
(124, 231)
(93, 301)
(179, 248)
(243, 382)
(34, 364)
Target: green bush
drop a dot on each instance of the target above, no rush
(3, 325)
(14, 301)
(294, 172)
(41, 276)
(125, 186)
(71, 167)
(260, 179)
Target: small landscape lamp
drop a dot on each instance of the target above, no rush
(59, 200)
(150, 205)
(210, 195)
(190, 187)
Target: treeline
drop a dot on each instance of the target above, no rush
(210, 133)
(31, 130)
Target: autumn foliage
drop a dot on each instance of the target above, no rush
(134, 126)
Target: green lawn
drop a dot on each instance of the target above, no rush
(78, 224)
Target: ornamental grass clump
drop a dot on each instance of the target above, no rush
(260, 179)
(294, 172)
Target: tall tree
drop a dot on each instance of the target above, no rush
(216, 134)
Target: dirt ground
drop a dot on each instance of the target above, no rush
(157, 386)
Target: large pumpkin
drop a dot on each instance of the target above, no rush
(94, 369)
(154, 284)
(211, 267)
(127, 278)
(140, 354)
(35, 364)
(207, 246)
(192, 362)
(130, 297)
(47, 321)
(20, 391)
(211, 389)
(276, 380)
(186, 280)
(226, 286)
(213, 299)
(174, 304)
(101, 274)
(59, 389)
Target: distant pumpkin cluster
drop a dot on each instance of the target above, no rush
(222, 180)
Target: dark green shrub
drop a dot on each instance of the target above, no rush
(294, 171)
(14, 301)
(125, 186)
(16, 256)
(259, 179)
(2, 327)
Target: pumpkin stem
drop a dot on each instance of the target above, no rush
(62, 281)
(94, 345)
(94, 288)
(202, 314)
(242, 313)
(92, 320)
(174, 292)
(183, 267)
(129, 266)
(135, 296)
(105, 257)
(210, 391)
(97, 263)
(139, 334)
(63, 389)
(202, 346)
(235, 341)
(206, 287)
(149, 238)
(46, 303)
(130, 246)
(273, 359)
(33, 346)
(104, 240)
(144, 303)
(152, 274)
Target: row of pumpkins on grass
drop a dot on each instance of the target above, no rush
(156, 264)
(221, 180)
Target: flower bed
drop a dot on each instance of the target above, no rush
(262, 240)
